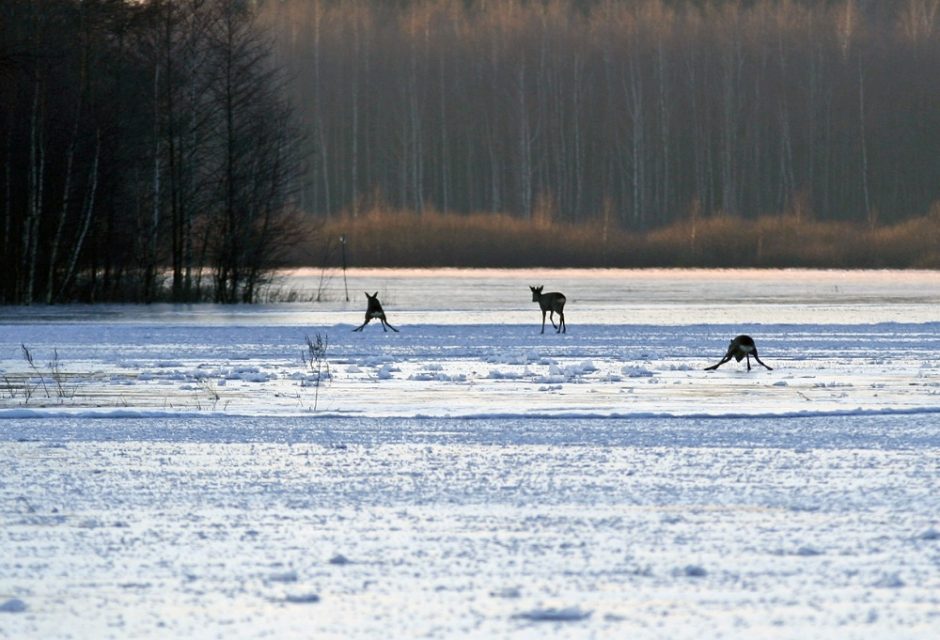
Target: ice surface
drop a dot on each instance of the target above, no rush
(186, 471)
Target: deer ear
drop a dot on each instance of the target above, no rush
(375, 295)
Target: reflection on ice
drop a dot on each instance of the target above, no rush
(595, 296)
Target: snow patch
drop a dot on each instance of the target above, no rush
(552, 614)
(889, 581)
(691, 571)
(302, 598)
(807, 552)
(286, 576)
(13, 605)
(386, 371)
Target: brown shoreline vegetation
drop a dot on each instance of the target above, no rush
(386, 238)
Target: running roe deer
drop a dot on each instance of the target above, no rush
(740, 347)
(374, 310)
(551, 303)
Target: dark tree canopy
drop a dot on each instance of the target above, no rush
(124, 133)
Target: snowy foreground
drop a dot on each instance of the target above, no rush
(179, 472)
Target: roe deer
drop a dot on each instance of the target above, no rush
(551, 303)
(374, 310)
(741, 347)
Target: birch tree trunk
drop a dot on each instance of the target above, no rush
(37, 173)
(863, 143)
(66, 196)
(5, 246)
(664, 188)
(524, 141)
(729, 138)
(87, 213)
(634, 99)
(150, 255)
(354, 144)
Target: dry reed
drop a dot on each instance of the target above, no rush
(391, 238)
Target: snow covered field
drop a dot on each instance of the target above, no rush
(177, 471)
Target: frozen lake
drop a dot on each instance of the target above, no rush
(176, 470)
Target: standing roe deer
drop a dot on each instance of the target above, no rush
(374, 310)
(741, 347)
(551, 303)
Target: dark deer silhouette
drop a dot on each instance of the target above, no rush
(741, 347)
(551, 303)
(374, 310)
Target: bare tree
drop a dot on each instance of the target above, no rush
(254, 160)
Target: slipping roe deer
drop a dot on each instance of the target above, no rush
(374, 310)
(741, 347)
(551, 303)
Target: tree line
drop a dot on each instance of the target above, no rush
(176, 149)
(640, 113)
(147, 151)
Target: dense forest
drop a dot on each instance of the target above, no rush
(647, 111)
(179, 149)
(148, 151)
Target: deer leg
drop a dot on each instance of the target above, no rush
(748, 356)
(543, 322)
(715, 366)
(385, 323)
(761, 363)
(359, 328)
(562, 327)
(551, 317)
(381, 317)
